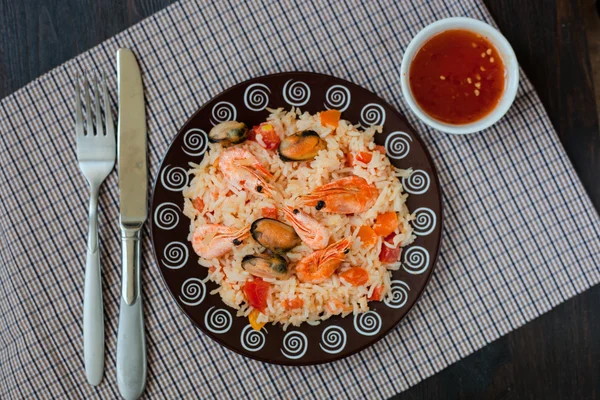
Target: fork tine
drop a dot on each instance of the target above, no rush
(97, 98)
(110, 127)
(88, 108)
(78, 113)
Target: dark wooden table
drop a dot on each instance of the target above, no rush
(555, 356)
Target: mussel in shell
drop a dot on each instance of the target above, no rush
(274, 235)
(229, 132)
(301, 146)
(266, 265)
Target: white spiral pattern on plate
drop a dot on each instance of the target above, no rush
(195, 142)
(296, 93)
(256, 97)
(193, 292)
(372, 114)
(252, 340)
(337, 97)
(333, 339)
(397, 145)
(424, 222)
(166, 216)
(417, 183)
(175, 255)
(398, 295)
(367, 324)
(223, 111)
(174, 179)
(295, 345)
(218, 320)
(416, 260)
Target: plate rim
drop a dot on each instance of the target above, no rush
(340, 355)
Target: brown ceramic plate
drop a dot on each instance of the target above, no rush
(337, 337)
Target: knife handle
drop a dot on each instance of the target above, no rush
(131, 340)
(93, 313)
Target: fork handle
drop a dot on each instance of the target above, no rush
(93, 314)
(131, 340)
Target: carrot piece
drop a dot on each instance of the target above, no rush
(385, 223)
(355, 276)
(198, 204)
(330, 118)
(364, 157)
(257, 326)
(367, 236)
(294, 303)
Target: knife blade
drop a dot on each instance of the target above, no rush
(133, 192)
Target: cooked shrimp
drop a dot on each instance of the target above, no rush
(212, 240)
(348, 195)
(242, 169)
(311, 232)
(320, 265)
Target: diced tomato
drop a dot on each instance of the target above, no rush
(356, 276)
(268, 135)
(376, 295)
(364, 157)
(269, 212)
(294, 303)
(367, 236)
(198, 204)
(257, 292)
(330, 118)
(389, 255)
(380, 149)
(385, 223)
(257, 326)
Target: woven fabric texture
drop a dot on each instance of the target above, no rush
(520, 234)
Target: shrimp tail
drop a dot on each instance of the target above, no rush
(263, 170)
(336, 250)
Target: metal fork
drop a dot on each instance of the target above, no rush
(96, 152)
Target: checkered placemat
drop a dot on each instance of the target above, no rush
(520, 235)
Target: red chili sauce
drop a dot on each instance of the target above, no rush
(457, 77)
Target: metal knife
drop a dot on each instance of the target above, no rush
(133, 190)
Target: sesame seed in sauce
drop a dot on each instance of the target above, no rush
(478, 77)
(474, 45)
(491, 59)
(442, 77)
(482, 68)
(489, 52)
(476, 92)
(478, 85)
(469, 80)
(482, 55)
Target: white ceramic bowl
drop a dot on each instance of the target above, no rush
(503, 47)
